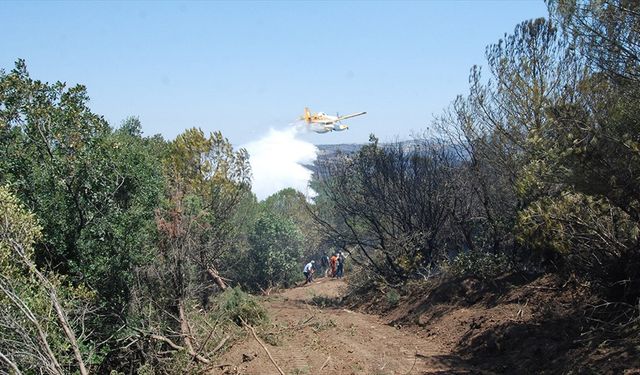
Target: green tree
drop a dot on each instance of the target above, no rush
(497, 127)
(587, 157)
(597, 138)
(275, 253)
(293, 205)
(606, 32)
(92, 189)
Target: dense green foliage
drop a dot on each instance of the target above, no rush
(275, 252)
(93, 189)
(31, 338)
(241, 307)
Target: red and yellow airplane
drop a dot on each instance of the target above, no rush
(322, 123)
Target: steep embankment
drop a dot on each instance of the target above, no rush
(517, 324)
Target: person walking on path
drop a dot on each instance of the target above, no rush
(308, 272)
(325, 264)
(334, 263)
(340, 270)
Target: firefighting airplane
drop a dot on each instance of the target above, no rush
(322, 123)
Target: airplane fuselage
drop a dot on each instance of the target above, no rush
(322, 123)
(321, 118)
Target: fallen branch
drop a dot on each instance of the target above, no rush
(325, 363)
(216, 278)
(415, 359)
(13, 366)
(185, 328)
(178, 347)
(188, 370)
(221, 343)
(174, 346)
(253, 331)
(308, 320)
(266, 292)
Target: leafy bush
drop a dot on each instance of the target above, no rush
(479, 264)
(593, 238)
(240, 306)
(393, 297)
(31, 332)
(275, 252)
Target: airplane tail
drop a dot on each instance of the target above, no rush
(307, 115)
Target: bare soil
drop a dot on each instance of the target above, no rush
(464, 326)
(310, 334)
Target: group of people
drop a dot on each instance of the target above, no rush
(333, 267)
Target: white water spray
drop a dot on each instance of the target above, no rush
(277, 162)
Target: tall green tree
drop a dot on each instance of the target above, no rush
(293, 205)
(92, 189)
(588, 156)
(275, 253)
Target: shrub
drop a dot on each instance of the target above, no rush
(594, 239)
(479, 264)
(275, 252)
(393, 297)
(240, 306)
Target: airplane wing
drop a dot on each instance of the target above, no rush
(351, 115)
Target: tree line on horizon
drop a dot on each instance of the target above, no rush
(128, 253)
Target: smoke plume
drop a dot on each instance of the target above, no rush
(277, 162)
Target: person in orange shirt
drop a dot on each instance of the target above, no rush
(333, 262)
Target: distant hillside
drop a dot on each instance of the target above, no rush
(345, 148)
(328, 151)
(330, 154)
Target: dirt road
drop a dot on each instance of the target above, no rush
(309, 335)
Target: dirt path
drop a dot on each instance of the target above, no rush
(304, 338)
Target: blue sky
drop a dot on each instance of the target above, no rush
(245, 67)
